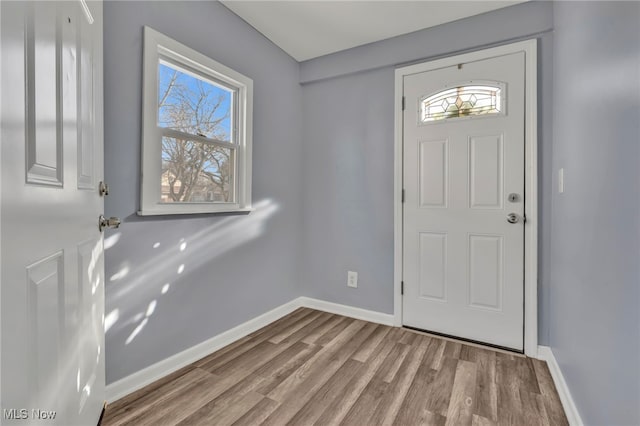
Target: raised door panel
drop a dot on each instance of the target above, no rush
(486, 271)
(89, 340)
(433, 173)
(433, 265)
(86, 137)
(42, 75)
(486, 172)
(45, 293)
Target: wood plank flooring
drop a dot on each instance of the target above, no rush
(316, 368)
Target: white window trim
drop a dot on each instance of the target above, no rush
(151, 155)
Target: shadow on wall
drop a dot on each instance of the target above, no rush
(136, 289)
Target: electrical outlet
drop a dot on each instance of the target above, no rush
(352, 279)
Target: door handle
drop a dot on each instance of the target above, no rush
(112, 222)
(513, 218)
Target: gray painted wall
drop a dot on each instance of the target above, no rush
(348, 152)
(595, 268)
(348, 189)
(235, 267)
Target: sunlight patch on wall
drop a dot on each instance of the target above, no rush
(150, 310)
(151, 307)
(136, 331)
(111, 319)
(143, 278)
(112, 240)
(123, 272)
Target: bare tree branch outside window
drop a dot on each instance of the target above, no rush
(193, 170)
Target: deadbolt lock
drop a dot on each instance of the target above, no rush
(514, 198)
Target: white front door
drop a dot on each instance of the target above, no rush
(52, 294)
(463, 162)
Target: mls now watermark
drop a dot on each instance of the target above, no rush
(26, 414)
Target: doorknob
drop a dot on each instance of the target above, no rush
(513, 218)
(112, 222)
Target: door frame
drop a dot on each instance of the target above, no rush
(529, 47)
(2, 125)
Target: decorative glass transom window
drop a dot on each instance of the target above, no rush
(462, 101)
(196, 155)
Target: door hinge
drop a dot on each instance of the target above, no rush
(103, 189)
(403, 195)
(402, 287)
(403, 105)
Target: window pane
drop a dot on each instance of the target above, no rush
(196, 172)
(193, 105)
(461, 102)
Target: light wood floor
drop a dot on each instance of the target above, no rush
(312, 367)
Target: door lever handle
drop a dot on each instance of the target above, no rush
(112, 222)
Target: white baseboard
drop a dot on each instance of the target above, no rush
(347, 311)
(573, 416)
(138, 380)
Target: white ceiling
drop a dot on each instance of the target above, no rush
(307, 29)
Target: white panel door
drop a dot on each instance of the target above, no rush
(463, 157)
(52, 295)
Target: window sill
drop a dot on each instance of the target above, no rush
(174, 212)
